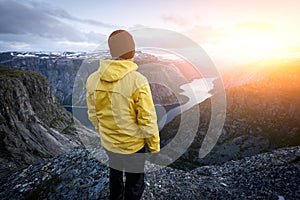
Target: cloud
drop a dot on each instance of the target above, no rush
(137, 26)
(25, 43)
(62, 14)
(206, 34)
(4, 45)
(78, 44)
(16, 18)
(23, 25)
(216, 34)
(176, 19)
(19, 19)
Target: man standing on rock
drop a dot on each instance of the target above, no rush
(121, 108)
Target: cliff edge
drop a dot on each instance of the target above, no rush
(33, 126)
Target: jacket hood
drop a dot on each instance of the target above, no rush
(114, 70)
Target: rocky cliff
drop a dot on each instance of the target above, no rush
(78, 175)
(33, 126)
(58, 68)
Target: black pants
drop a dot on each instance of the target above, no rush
(133, 166)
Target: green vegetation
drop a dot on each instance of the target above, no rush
(55, 120)
(8, 73)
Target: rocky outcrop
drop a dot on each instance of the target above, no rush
(58, 68)
(33, 126)
(79, 175)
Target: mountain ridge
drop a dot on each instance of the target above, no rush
(256, 71)
(261, 116)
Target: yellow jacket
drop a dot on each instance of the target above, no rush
(121, 108)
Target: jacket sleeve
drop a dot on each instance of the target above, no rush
(90, 101)
(146, 118)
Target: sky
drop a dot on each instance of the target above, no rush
(230, 31)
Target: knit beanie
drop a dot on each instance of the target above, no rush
(121, 45)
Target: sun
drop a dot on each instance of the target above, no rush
(252, 45)
(248, 42)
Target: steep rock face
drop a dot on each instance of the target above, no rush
(33, 126)
(59, 69)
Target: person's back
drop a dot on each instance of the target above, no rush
(121, 108)
(125, 116)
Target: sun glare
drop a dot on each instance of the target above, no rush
(250, 45)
